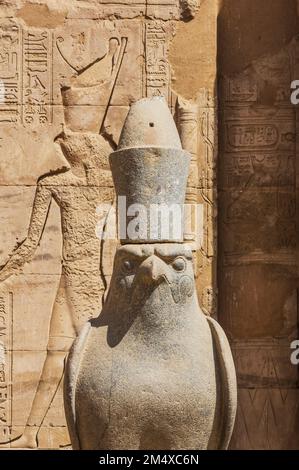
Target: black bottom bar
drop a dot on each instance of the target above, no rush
(138, 459)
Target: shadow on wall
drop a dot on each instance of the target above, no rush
(258, 50)
(257, 169)
(248, 29)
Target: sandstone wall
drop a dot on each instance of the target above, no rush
(69, 71)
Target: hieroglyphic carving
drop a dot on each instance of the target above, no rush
(10, 71)
(25, 75)
(196, 122)
(207, 152)
(78, 192)
(258, 238)
(37, 72)
(81, 286)
(207, 175)
(241, 90)
(157, 66)
(259, 164)
(263, 136)
(268, 392)
(44, 60)
(91, 91)
(259, 170)
(253, 136)
(6, 322)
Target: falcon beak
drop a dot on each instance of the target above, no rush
(153, 270)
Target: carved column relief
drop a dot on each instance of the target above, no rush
(198, 135)
(38, 77)
(208, 151)
(258, 242)
(188, 127)
(156, 62)
(26, 74)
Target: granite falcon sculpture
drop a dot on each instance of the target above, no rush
(152, 371)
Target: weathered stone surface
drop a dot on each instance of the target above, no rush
(49, 44)
(171, 49)
(150, 171)
(52, 51)
(152, 371)
(258, 215)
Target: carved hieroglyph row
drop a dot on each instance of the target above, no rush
(26, 74)
(157, 66)
(35, 63)
(259, 164)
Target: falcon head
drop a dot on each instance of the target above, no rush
(139, 270)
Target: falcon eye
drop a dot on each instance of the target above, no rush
(127, 266)
(179, 264)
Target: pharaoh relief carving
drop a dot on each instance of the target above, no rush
(77, 191)
(65, 90)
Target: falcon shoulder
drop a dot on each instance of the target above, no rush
(228, 397)
(70, 382)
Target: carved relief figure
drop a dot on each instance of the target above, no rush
(78, 191)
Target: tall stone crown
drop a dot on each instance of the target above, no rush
(150, 169)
